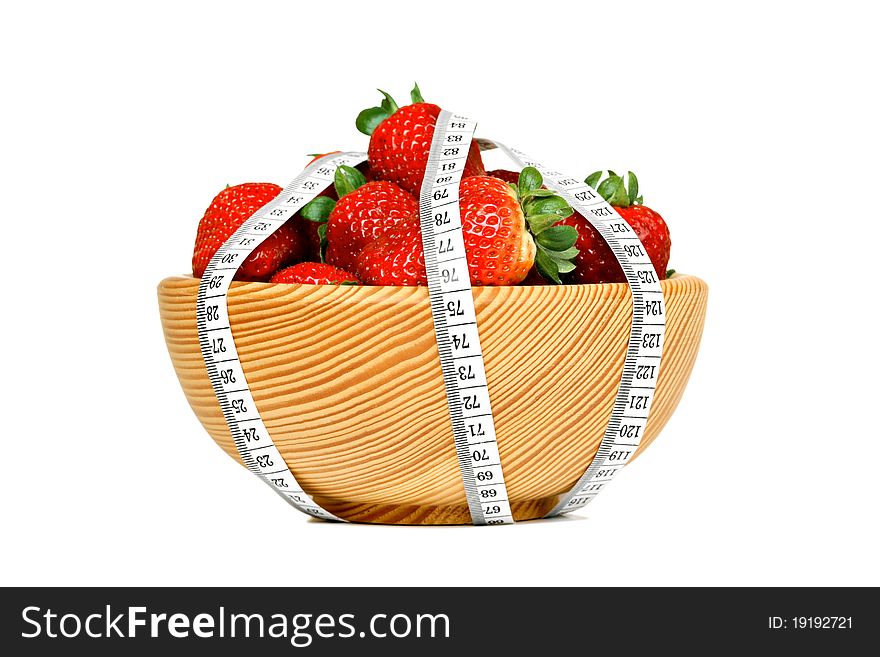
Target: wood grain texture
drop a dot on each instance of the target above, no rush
(348, 382)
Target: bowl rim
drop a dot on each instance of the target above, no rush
(422, 290)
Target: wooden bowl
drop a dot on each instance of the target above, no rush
(348, 382)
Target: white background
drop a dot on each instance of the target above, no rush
(753, 130)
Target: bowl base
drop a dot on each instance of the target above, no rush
(451, 514)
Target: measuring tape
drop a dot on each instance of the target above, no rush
(454, 317)
(629, 415)
(455, 323)
(249, 433)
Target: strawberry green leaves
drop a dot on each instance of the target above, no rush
(543, 212)
(416, 94)
(369, 119)
(614, 190)
(347, 179)
(318, 209)
(633, 195)
(388, 103)
(543, 209)
(593, 179)
(558, 238)
(530, 180)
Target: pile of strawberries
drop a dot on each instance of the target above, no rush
(365, 229)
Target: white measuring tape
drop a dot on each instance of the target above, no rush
(629, 415)
(249, 433)
(455, 323)
(458, 341)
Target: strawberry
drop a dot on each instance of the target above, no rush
(512, 177)
(396, 258)
(498, 223)
(596, 263)
(365, 211)
(314, 273)
(311, 230)
(229, 210)
(400, 139)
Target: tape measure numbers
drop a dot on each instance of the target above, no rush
(249, 433)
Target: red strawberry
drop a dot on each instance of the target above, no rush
(229, 210)
(396, 258)
(365, 211)
(499, 247)
(496, 221)
(400, 139)
(311, 230)
(314, 273)
(595, 263)
(363, 215)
